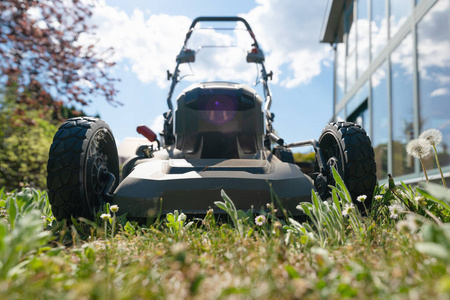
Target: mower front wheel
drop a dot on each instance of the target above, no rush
(346, 147)
(83, 167)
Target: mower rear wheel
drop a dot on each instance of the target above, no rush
(83, 167)
(346, 147)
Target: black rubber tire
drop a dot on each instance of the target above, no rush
(83, 149)
(349, 146)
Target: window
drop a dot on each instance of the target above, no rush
(399, 12)
(340, 71)
(361, 117)
(380, 129)
(362, 43)
(433, 44)
(378, 35)
(350, 66)
(402, 106)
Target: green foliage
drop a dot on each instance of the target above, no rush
(328, 223)
(24, 215)
(175, 221)
(237, 217)
(304, 157)
(25, 139)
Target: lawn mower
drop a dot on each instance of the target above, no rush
(219, 137)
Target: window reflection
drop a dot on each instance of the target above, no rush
(402, 106)
(350, 66)
(434, 76)
(399, 12)
(380, 130)
(350, 72)
(378, 27)
(340, 71)
(362, 27)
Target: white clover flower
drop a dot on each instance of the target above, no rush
(418, 148)
(433, 136)
(361, 198)
(395, 210)
(105, 216)
(378, 197)
(260, 220)
(348, 209)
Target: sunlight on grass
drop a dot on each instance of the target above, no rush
(334, 253)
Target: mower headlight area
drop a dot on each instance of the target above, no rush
(225, 109)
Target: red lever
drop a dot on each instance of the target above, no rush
(147, 132)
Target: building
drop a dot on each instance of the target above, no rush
(392, 76)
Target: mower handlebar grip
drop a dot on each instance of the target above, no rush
(147, 132)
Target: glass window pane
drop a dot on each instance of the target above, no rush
(340, 71)
(378, 27)
(400, 11)
(350, 72)
(351, 31)
(362, 27)
(434, 77)
(402, 106)
(380, 130)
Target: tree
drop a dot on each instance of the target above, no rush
(44, 41)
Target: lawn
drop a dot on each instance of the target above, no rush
(400, 250)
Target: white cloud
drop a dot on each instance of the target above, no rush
(157, 124)
(287, 30)
(440, 92)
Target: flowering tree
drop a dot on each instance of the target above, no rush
(44, 42)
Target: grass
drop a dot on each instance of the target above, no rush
(330, 256)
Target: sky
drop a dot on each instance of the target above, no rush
(147, 36)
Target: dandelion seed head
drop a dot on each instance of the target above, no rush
(361, 198)
(418, 148)
(433, 136)
(260, 220)
(114, 208)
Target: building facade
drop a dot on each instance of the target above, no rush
(392, 76)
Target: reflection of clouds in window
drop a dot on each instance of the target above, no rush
(434, 44)
(440, 92)
(434, 75)
(380, 132)
(378, 27)
(340, 72)
(400, 11)
(350, 71)
(362, 27)
(378, 77)
(363, 46)
(402, 106)
(403, 57)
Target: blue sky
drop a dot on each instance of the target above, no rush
(147, 36)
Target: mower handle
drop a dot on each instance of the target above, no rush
(220, 19)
